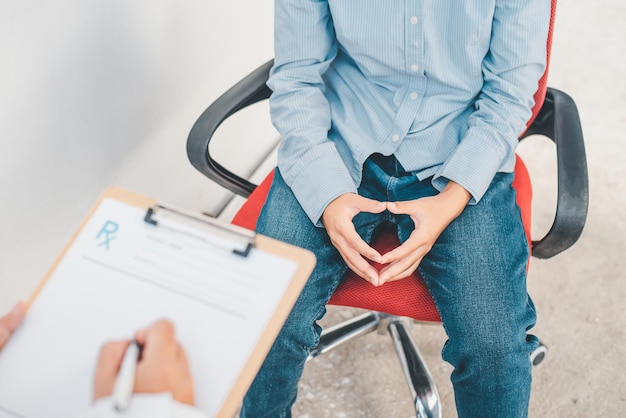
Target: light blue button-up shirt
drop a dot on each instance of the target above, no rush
(446, 86)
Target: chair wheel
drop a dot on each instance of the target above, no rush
(538, 354)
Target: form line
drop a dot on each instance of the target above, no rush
(162, 286)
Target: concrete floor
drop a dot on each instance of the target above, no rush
(580, 294)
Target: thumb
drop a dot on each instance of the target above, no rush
(398, 207)
(11, 321)
(369, 205)
(158, 335)
(108, 365)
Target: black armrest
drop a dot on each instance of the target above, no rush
(559, 121)
(248, 91)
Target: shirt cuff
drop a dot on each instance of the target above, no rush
(321, 182)
(474, 163)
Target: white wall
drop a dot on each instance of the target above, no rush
(104, 92)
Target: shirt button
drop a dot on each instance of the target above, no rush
(414, 20)
(413, 96)
(395, 138)
(414, 68)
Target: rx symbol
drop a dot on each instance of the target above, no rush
(107, 234)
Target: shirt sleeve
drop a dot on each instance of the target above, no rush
(305, 46)
(515, 62)
(160, 405)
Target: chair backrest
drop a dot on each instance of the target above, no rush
(540, 95)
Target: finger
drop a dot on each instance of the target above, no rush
(399, 271)
(401, 259)
(364, 270)
(180, 353)
(140, 337)
(402, 251)
(355, 242)
(109, 360)
(181, 358)
(158, 355)
(4, 336)
(11, 321)
(111, 355)
(357, 263)
(159, 333)
(399, 208)
(353, 256)
(393, 270)
(158, 344)
(184, 391)
(363, 204)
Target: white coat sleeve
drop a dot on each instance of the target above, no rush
(160, 405)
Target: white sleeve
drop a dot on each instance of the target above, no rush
(160, 405)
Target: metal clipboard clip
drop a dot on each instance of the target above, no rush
(205, 228)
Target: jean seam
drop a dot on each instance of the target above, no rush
(526, 237)
(322, 308)
(390, 185)
(428, 280)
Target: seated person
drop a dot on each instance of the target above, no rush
(407, 113)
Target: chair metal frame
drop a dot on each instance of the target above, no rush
(558, 120)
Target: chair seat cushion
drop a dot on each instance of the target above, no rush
(408, 297)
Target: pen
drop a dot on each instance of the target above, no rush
(125, 381)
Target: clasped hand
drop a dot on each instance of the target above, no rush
(431, 215)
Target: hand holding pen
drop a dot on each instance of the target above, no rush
(161, 367)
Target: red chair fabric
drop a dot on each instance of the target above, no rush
(408, 297)
(540, 95)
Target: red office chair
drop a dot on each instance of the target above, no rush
(554, 115)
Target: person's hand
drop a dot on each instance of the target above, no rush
(10, 321)
(337, 220)
(163, 366)
(431, 215)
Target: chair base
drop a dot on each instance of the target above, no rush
(421, 386)
(538, 354)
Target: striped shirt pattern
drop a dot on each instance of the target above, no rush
(445, 86)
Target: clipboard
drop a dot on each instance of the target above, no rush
(132, 258)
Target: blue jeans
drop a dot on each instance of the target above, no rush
(476, 273)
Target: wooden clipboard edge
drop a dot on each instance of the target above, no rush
(304, 259)
(116, 193)
(306, 262)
